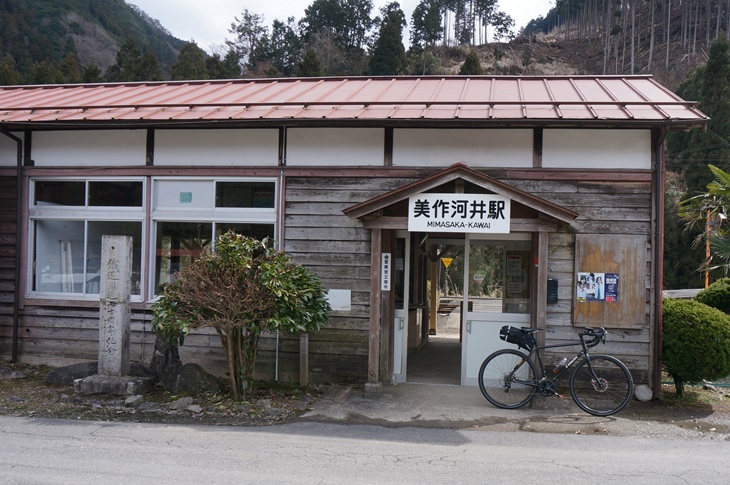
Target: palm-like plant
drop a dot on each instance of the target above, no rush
(711, 209)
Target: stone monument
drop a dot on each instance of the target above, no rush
(114, 324)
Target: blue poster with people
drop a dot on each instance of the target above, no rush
(597, 287)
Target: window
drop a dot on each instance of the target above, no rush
(68, 219)
(69, 216)
(190, 213)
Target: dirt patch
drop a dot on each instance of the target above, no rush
(25, 393)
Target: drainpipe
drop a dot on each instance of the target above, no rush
(19, 219)
(659, 259)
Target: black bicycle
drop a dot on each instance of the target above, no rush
(600, 385)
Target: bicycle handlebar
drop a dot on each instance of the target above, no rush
(597, 336)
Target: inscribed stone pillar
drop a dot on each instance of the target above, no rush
(114, 312)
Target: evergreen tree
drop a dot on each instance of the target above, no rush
(190, 64)
(389, 54)
(310, 66)
(425, 31)
(8, 74)
(284, 47)
(471, 66)
(44, 73)
(70, 68)
(251, 39)
(127, 64)
(689, 155)
(149, 68)
(226, 68)
(91, 74)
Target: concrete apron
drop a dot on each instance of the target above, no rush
(461, 407)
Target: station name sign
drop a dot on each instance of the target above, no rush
(485, 213)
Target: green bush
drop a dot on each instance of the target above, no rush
(717, 295)
(695, 342)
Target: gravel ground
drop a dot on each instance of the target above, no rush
(24, 392)
(703, 414)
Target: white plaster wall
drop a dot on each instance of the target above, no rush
(110, 148)
(217, 147)
(9, 150)
(335, 146)
(474, 147)
(587, 149)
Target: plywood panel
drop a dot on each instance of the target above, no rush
(624, 255)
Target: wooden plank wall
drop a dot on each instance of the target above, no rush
(8, 234)
(604, 208)
(319, 236)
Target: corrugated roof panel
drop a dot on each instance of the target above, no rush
(473, 112)
(563, 90)
(489, 97)
(508, 111)
(536, 90)
(506, 90)
(386, 91)
(409, 112)
(441, 112)
(576, 111)
(426, 89)
(378, 112)
(589, 90)
(543, 111)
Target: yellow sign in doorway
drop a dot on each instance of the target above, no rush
(446, 261)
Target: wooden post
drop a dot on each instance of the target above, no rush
(433, 310)
(376, 250)
(303, 359)
(541, 263)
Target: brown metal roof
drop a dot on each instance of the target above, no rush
(614, 100)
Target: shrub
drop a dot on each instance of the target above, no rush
(717, 295)
(242, 289)
(695, 342)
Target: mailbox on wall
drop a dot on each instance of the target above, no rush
(552, 291)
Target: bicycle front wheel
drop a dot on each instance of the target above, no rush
(601, 385)
(507, 378)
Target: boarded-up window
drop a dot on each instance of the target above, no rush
(619, 257)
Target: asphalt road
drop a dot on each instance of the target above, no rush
(37, 451)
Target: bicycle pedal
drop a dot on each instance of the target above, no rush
(560, 396)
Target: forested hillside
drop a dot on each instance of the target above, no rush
(50, 41)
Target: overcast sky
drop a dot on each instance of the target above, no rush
(207, 22)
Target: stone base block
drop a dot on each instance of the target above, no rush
(373, 390)
(115, 385)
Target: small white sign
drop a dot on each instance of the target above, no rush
(482, 213)
(340, 300)
(385, 272)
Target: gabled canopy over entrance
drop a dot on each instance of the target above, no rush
(529, 213)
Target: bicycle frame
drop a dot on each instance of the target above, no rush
(582, 353)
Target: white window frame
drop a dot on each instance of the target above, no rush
(212, 215)
(83, 214)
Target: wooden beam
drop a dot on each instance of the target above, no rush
(376, 251)
(387, 317)
(385, 222)
(532, 225)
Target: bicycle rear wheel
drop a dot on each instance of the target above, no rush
(507, 378)
(601, 387)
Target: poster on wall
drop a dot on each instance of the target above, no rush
(597, 287)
